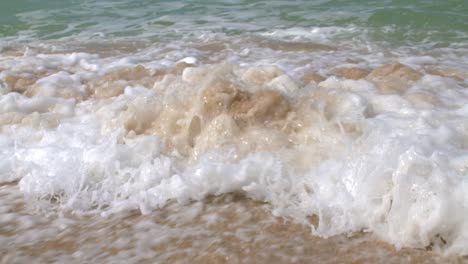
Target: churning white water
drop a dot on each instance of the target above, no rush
(374, 143)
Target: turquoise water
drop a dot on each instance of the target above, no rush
(426, 23)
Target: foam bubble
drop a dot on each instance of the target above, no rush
(382, 150)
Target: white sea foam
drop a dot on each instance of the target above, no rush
(393, 162)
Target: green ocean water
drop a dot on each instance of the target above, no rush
(430, 23)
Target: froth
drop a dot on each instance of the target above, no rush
(378, 149)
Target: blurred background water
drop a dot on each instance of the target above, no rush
(428, 23)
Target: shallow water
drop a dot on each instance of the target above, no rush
(252, 132)
(222, 229)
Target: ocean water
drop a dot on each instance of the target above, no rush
(234, 131)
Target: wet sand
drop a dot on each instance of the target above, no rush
(224, 229)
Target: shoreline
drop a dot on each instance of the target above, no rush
(226, 229)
